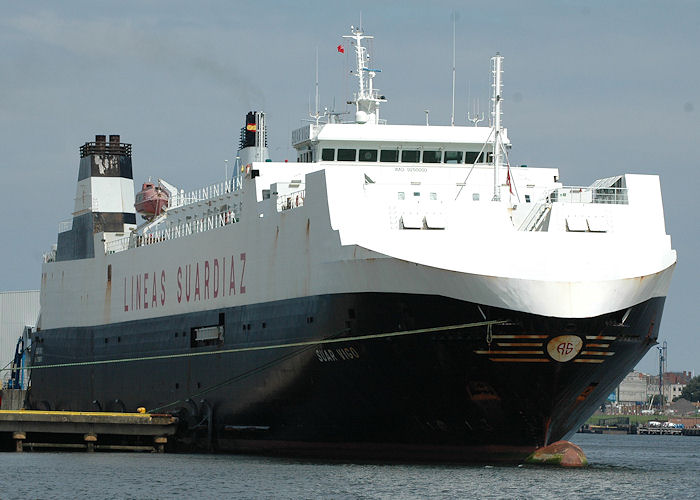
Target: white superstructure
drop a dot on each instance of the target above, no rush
(375, 207)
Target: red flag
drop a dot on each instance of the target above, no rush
(341, 49)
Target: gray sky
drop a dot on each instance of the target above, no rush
(595, 88)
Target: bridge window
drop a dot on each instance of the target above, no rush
(453, 157)
(368, 155)
(304, 157)
(432, 156)
(471, 157)
(410, 156)
(328, 154)
(527, 198)
(402, 195)
(389, 155)
(475, 196)
(347, 154)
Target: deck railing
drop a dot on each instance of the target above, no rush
(105, 148)
(588, 194)
(191, 227)
(205, 193)
(290, 200)
(572, 194)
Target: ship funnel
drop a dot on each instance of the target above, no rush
(253, 143)
(104, 201)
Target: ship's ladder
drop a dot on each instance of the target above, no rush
(536, 217)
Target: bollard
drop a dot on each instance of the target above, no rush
(19, 437)
(90, 441)
(160, 443)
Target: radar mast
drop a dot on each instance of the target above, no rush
(496, 63)
(367, 98)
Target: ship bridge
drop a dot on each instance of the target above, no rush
(348, 142)
(370, 140)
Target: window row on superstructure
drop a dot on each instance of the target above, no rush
(398, 155)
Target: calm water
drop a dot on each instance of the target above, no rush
(622, 467)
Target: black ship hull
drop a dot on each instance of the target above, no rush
(420, 377)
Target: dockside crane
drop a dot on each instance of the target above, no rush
(662, 368)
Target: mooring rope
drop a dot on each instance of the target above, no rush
(273, 362)
(305, 343)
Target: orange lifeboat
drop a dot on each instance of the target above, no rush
(151, 201)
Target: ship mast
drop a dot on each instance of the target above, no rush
(367, 98)
(496, 65)
(454, 50)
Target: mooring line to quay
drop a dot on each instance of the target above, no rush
(306, 343)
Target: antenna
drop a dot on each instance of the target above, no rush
(496, 63)
(454, 22)
(317, 81)
(478, 117)
(316, 116)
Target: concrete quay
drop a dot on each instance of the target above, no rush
(88, 431)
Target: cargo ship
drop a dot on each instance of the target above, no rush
(398, 292)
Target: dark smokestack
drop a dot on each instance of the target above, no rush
(99, 142)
